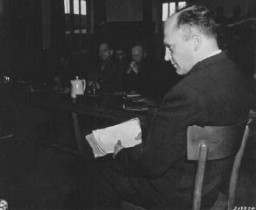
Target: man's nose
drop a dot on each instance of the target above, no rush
(168, 55)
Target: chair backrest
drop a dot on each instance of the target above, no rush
(212, 143)
(235, 170)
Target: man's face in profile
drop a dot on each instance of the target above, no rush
(178, 49)
(104, 52)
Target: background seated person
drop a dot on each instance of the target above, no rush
(120, 55)
(137, 77)
(105, 75)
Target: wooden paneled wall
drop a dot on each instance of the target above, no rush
(32, 32)
(229, 5)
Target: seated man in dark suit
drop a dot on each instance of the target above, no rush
(137, 77)
(105, 76)
(156, 174)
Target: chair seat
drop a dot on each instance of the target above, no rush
(213, 143)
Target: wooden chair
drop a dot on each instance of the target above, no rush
(203, 143)
(212, 143)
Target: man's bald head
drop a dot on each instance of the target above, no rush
(137, 53)
(194, 18)
(189, 37)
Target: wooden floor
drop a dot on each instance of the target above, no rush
(41, 167)
(33, 176)
(36, 176)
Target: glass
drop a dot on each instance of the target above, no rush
(92, 89)
(5, 79)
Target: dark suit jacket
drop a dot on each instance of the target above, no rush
(140, 82)
(108, 75)
(212, 93)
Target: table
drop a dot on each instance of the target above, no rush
(97, 109)
(86, 105)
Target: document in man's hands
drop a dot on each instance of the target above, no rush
(103, 141)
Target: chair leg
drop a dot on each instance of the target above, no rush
(235, 170)
(199, 177)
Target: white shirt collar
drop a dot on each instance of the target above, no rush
(214, 53)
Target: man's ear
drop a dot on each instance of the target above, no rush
(197, 40)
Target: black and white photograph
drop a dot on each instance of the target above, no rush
(128, 104)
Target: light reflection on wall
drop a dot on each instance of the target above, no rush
(76, 7)
(67, 6)
(169, 8)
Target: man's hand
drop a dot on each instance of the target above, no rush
(118, 147)
(134, 67)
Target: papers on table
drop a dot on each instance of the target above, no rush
(136, 108)
(103, 141)
(132, 95)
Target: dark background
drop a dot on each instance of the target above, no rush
(33, 39)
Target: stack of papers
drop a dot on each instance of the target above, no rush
(136, 108)
(132, 95)
(103, 141)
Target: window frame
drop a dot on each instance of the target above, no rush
(74, 22)
(169, 2)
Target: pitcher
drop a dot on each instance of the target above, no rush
(77, 87)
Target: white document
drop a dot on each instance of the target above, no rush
(95, 148)
(104, 140)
